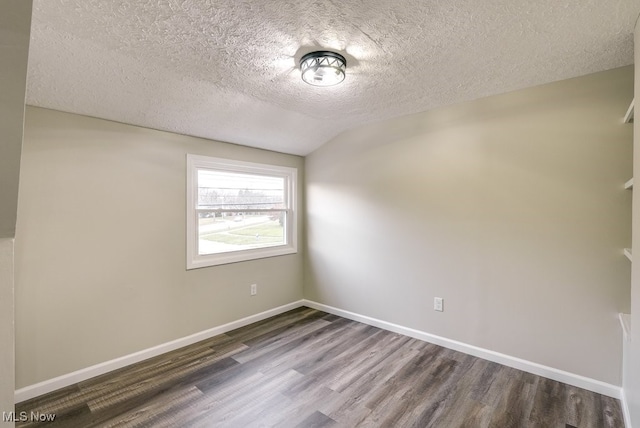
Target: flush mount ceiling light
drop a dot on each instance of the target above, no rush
(323, 68)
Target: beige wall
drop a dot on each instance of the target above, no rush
(7, 362)
(15, 25)
(511, 208)
(100, 246)
(631, 380)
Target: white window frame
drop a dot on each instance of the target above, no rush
(195, 163)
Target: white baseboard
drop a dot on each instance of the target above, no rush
(50, 385)
(600, 387)
(507, 360)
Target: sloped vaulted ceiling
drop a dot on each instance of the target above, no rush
(228, 69)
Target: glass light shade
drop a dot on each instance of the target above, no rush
(323, 68)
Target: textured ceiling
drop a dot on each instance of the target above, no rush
(227, 69)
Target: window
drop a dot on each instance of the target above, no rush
(238, 211)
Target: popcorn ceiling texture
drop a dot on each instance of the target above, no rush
(228, 69)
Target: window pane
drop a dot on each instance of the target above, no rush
(238, 211)
(236, 231)
(236, 191)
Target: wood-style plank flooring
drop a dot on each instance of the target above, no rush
(306, 368)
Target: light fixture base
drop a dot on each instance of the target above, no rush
(323, 68)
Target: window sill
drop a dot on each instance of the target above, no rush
(238, 256)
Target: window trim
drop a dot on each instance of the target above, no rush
(196, 162)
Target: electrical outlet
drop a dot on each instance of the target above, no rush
(438, 304)
(254, 289)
